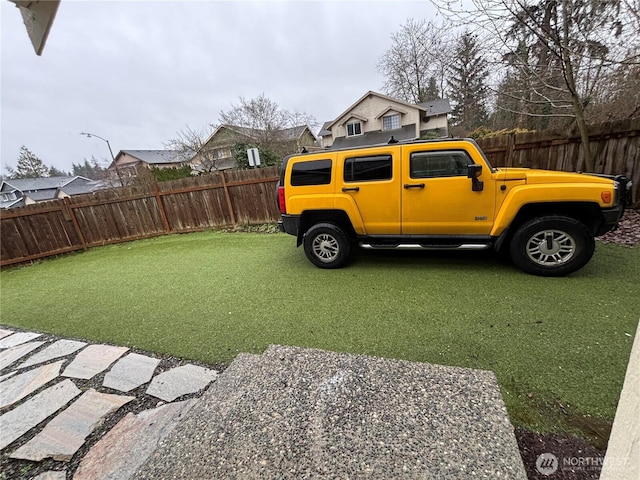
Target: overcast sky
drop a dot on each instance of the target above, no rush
(136, 73)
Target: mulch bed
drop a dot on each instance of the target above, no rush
(575, 459)
(628, 231)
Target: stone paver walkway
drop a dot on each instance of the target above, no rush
(15, 353)
(19, 386)
(131, 372)
(126, 447)
(173, 384)
(64, 435)
(71, 409)
(93, 360)
(54, 393)
(61, 348)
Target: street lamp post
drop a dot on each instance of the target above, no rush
(115, 165)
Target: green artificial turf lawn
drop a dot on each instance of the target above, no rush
(559, 346)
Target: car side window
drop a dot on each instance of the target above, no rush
(366, 169)
(314, 172)
(430, 164)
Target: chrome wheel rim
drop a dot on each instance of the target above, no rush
(550, 248)
(325, 247)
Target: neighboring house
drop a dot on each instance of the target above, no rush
(218, 146)
(127, 162)
(375, 118)
(27, 191)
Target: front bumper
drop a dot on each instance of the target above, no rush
(624, 188)
(623, 199)
(611, 218)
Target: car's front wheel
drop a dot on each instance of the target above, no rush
(552, 246)
(327, 246)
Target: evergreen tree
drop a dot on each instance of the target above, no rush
(29, 165)
(431, 92)
(54, 172)
(92, 170)
(166, 174)
(468, 90)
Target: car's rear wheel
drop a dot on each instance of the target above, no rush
(327, 245)
(552, 246)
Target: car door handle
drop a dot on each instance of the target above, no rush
(413, 185)
(350, 189)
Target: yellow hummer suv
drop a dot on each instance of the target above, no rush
(444, 194)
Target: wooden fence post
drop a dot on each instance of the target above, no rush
(69, 212)
(228, 198)
(163, 213)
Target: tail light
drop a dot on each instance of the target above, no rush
(281, 201)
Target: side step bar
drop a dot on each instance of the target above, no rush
(415, 246)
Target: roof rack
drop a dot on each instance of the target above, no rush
(392, 141)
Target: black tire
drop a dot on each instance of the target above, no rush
(552, 246)
(327, 246)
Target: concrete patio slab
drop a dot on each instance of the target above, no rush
(93, 360)
(129, 444)
(29, 414)
(18, 387)
(180, 381)
(17, 339)
(58, 349)
(301, 413)
(13, 354)
(130, 372)
(65, 434)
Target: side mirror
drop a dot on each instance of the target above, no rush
(473, 172)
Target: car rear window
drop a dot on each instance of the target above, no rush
(313, 172)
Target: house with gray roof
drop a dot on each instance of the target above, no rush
(374, 118)
(19, 192)
(217, 149)
(127, 162)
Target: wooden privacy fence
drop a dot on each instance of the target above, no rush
(249, 196)
(615, 147)
(131, 213)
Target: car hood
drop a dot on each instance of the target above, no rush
(533, 176)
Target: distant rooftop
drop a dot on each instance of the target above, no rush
(438, 106)
(155, 157)
(41, 183)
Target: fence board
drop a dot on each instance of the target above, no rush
(614, 145)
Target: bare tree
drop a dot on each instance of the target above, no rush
(265, 121)
(192, 144)
(619, 95)
(562, 47)
(415, 67)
